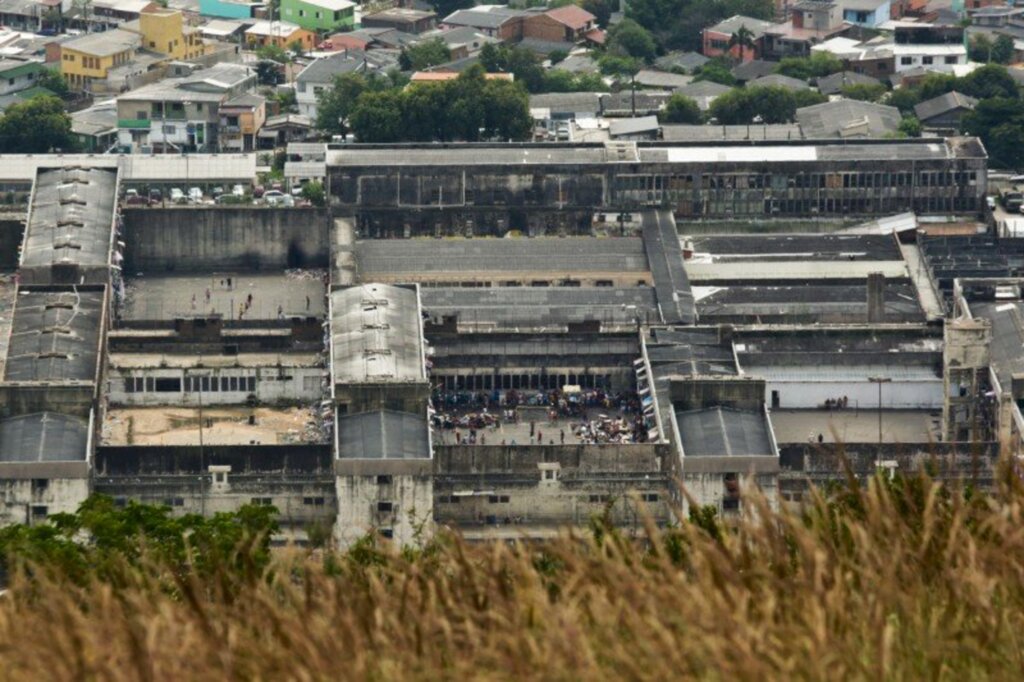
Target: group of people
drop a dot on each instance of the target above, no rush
(836, 403)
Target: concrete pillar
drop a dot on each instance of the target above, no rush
(876, 297)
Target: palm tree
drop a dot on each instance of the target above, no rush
(744, 38)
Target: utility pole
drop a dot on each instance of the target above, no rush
(880, 381)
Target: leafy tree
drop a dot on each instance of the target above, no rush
(273, 52)
(377, 117)
(296, 48)
(989, 81)
(865, 92)
(268, 72)
(903, 99)
(715, 72)
(54, 81)
(467, 108)
(770, 104)
(807, 98)
(630, 39)
(601, 9)
(681, 109)
(423, 55)
(621, 67)
(232, 545)
(910, 127)
(313, 192)
(446, 7)
(36, 126)
(518, 61)
(1002, 50)
(557, 56)
(559, 80)
(818, 65)
(999, 122)
(743, 38)
(334, 104)
(979, 49)
(677, 24)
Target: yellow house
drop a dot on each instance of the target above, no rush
(164, 31)
(90, 57)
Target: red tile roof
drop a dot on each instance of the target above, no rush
(573, 16)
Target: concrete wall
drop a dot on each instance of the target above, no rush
(32, 500)
(283, 461)
(612, 458)
(897, 395)
(225, 238)
(288, 385)
(399, 506)
(709, 489)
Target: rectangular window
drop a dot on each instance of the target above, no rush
(150, 385)
(224, 383)
(951, 60)
(906, 61)
(649, 497)
(250, 384)
(174, 502)
(129, 385)
(233, 383)
(40, 484)
(262, 501)
(384, 479)
(387, 507)
(168, 385)
(926, 60)
(39, 511)
(313, 501)
(498, 499)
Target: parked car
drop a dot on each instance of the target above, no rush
(991, 202)
(297, 190)
(258, 191)
(274, 197)
(155, 196)
(195, 195)
(177, 196)
(238, 191)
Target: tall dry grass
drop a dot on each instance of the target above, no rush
(905, 581)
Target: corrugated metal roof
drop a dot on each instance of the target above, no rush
(724, 432)
(383, 435)
(43, 437)
(54, 336)
(376, 335)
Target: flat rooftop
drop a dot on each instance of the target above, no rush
(786, 247)
(856, 426)
(455, 155)
(1007, 318)
(222, 426)
(818, 300)
(168, 297)
(411, 258)
(515, 307)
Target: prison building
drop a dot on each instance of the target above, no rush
(696, 181)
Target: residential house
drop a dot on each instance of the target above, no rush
(279, 130)
(811, 22)
(996, 15)
(282, 34)
(90, 57)
(703, 92)
(569, 24)
(165, 31)
(181, 114)
(462, 42)
(441, 76)
(230, 9)
(22, 15)
(320, 16)
(945, 112)
(849, 119)
(224, 30)
(687, 62)
(496, 21)
(114, 12)
(241, 119)
(345, 41)
(320, 74)
(867, 13)
(777, 80)
(661, 80)
(566, 106)
(577, 64)
(715, 39)
(402, 19)
(95, 128)
(744, 72)
(639, 128)
(834, 84)
(17, 75)
(871, 58)
(935, 48)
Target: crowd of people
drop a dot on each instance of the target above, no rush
(477, 417)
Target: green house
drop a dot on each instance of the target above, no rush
(323, 16)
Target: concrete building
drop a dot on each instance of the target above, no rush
(90, 57)
(230, 9)
(417, 187)
(183, 114)
(282, 34)
(715, 39)
(320, 15)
